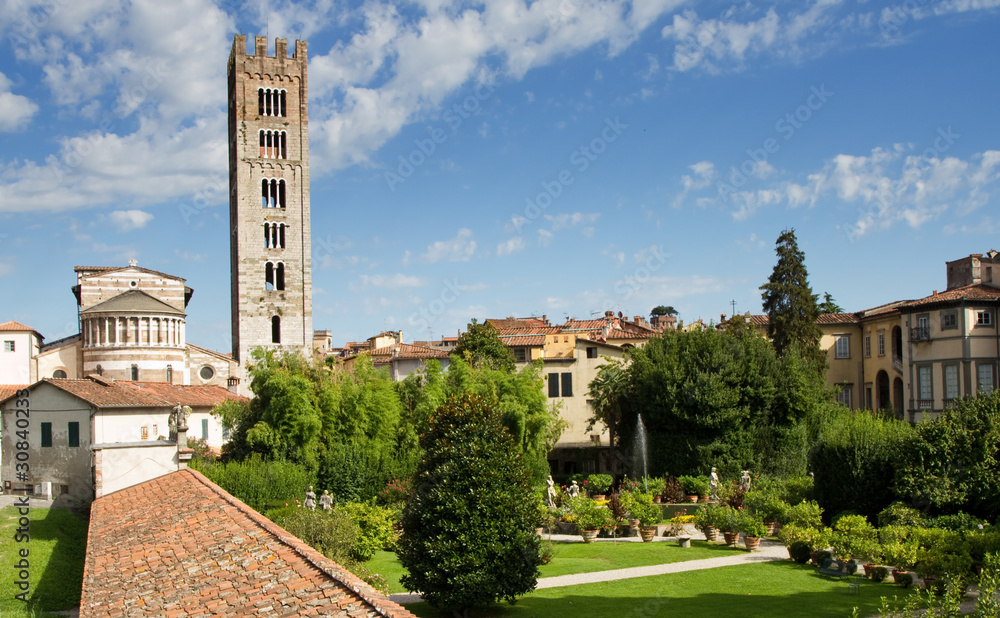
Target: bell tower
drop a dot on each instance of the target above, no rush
(271, 274)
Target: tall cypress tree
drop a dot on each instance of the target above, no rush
(791, 307)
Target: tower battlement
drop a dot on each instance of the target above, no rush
(260, 49)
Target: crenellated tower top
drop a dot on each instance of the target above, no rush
(260, 49)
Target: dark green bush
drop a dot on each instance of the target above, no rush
(376, 528)
(357, 474)
(959, 522)
(332, 533)
(469, 527)
(799, 551)
(822, 556)
(900, 514)
(879, 574)
(903, 579)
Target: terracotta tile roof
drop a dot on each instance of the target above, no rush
(509, 323)
(406, 350)
(837, 318)
(94, 270)
(974, 292)
(58, 343)
(883, 310)
(179, 545)
(7, 390)
(223, 355)
(526, 335)
(15, 326)
(132, 301)
(104, 393)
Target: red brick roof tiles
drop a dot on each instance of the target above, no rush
(16, 326)
(968, 292)
(124, 394)
(179, 545)
(407, 350)
(8, 390)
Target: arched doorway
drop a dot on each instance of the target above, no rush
(882, 400)
(897, 397)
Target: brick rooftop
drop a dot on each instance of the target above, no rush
(180, 546)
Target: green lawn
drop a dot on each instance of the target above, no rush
(764, 589)
(57, 548)
(569, 558)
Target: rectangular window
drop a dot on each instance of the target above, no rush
(868, 397)
(844, 395)
(591, 352)
(204, 429)
(144, 433)
(843, 346)
(225, 432)
(74, 433)
(926, 394)
(520, 355)
(985, 372)
(881, 343)
(567, 385)
(951, 381)
(984, 318)
(923, 330)
(553, 385)
(949, 319)
(46, 435)
(8, 346)
(868, 346)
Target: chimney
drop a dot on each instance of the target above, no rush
(722, 317)
(935, 293)
(181, 414)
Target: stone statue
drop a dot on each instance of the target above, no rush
(573, 490)
(310, 499)
(325, 501)
(745, 481)
(550, 492)
(713, 485)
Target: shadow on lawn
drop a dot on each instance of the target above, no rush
(60, 584)
(836, 601)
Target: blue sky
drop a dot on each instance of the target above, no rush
(559, 157)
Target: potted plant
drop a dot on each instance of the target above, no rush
(853, 535)
(590, 518)
(901, 555)
(728, 523)
(706, 520)
(642, 508)
(654, 485)
(753, 529)
(598, 484)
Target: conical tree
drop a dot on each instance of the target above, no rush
(469, 536)
(790, 305)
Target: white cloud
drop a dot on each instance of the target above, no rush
(458, 249)
(703, 172)
(565, 220)
(16, 111)
(126, 220)
(544, 237)
(510, 246)
(398, 280)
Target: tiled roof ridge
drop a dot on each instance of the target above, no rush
(104, 269)
(14, 325)
(341, 575)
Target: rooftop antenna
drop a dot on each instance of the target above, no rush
(733, 303)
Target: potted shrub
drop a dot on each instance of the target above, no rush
(691, 486)
(901, 555)
(853, 535)
(673, 490)
(642, 508)
(753, 529)
(706, 520)
(807, 514)
(653, 485)
(598, 485)
(590, 518)
(728, 522)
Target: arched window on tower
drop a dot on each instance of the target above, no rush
(275, 329)
(273, 144)
(269, 276)
(170, 374)
(134, 373)
(279, 279)
(267, 235)
(281, 235)
(272, 193)
(271, 102)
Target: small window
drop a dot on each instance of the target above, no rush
(881, 343)
(74, 433)
(868, 346)
(59, 374)
(844, 395)
(8, 346)
(46, 435)
(843, 346)
(553, 385)
(520, 355)
(567, 385)
(170, 373)
(207, 372)
(591, 352)
(204, 429)
(985, 372)
(225, 432)
(951, 381)
(275, 329)
(134, 373)
(949, 319)
(984, 318)
(144, 433)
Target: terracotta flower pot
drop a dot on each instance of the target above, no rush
(771, 525)
(647, 533)
(589, 535)
(752, 542)
(732, 538)
(711, 534)
(692, 498)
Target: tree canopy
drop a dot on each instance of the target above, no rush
(663, 310)
(790, 305)
(480, 346)
(829, 305)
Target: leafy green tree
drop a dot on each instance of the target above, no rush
(607, 390)
(790, 304)
(480, 346)
(468, 538)
(952, 463)
(829, 305)
(663, 310)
